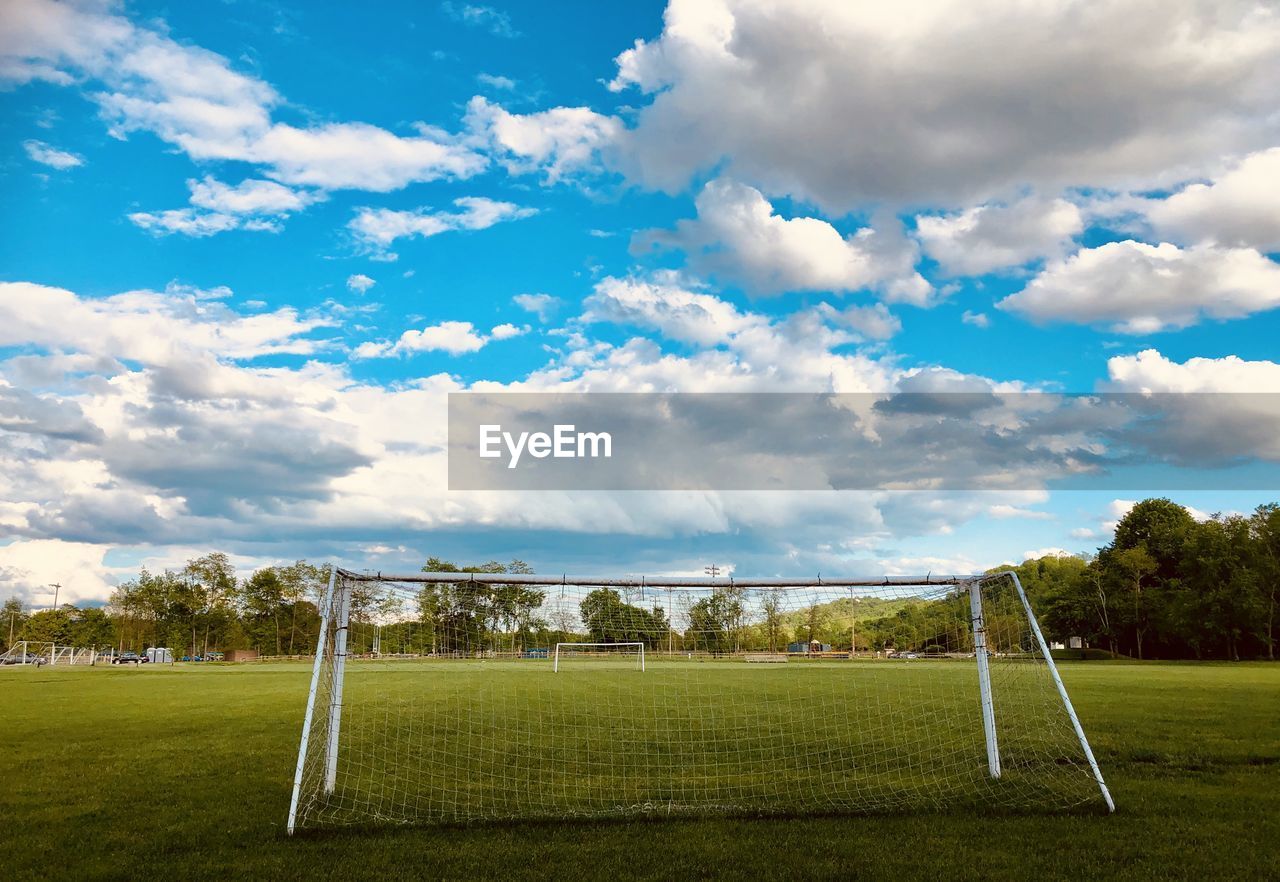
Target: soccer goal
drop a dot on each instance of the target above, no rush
(447, 697)
(598, 652)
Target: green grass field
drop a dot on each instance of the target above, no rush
(184, 773)
(459, 740)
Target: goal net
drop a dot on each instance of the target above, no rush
(455, 697)
(601, 653)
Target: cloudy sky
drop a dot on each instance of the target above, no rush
(248, 249)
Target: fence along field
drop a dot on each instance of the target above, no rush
(474, 734)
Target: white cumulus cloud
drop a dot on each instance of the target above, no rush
(144, 80)
(541, 305)
(1241, 207)
(738, 238)
(1136, 288)
(217, 207)
(953, 102)
(455, 338)
(359, 283)
(666, 305)
(873, 322)
(996, 236)
(153, 327)
(557, 142)
(1203, 409)
(44, 154)
(1150, 371)
(375, 229)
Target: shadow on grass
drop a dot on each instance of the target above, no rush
(596, 824)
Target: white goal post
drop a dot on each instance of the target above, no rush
(432, 699)
(555, 667)
(39, 652)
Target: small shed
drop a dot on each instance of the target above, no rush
(240, 655)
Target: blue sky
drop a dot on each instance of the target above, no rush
(248, 248)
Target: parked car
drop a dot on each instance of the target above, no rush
(28, 659)
(129, 658)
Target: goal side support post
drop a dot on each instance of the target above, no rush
(343, 601)
(555, 666)
(1062, 689)
(984, 677)
(326, 605)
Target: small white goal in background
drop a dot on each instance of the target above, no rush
(766, 657)
(596, 650)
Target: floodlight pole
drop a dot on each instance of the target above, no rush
(1062, 690)
(311, 700)
(339, 669)
(984, 677)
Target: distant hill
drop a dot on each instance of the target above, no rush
(842, 612)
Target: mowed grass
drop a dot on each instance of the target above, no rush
(184, 772)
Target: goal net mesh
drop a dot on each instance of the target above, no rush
(444, 706)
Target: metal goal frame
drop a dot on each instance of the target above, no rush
(336, 604)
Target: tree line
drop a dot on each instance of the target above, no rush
(193, 610)
(1166, 586)
(1169, 586)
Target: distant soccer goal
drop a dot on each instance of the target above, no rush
(599, 652)
(446, 697)
(34, 652)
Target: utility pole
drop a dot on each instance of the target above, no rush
(56, 586)
(712, 570)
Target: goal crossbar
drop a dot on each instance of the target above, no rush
(658, 581)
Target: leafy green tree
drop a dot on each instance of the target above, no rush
(1220, 596)
(1264, 527)
(609, 619)
(714, 619)
(152, 610)
(1135, 567)
(210, 597)
(13, 615)
(262, 603)
(1159, 527)
(304, 587)
(49, 626)
(771, 607)
(464, 618)
(92, 627)
(1145, 557)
